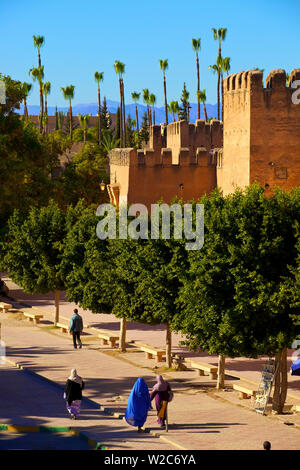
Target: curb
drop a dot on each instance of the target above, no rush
(54, 429)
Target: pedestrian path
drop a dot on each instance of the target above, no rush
(197, 419)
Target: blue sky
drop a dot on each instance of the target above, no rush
(82, 37)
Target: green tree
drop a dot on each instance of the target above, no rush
(144, 132)
(163, 67)
(201, 95)
(46, 90)
(32, 255)
(196, 44)
(184, 108)
(37, 74)
(146, 98)
(219, 35)
(152, 101)
(68, 93)
(26, 90)
(237, 298)
(84, 123)
(38, 42)
(120, 69)
(105, 116)
(99, 78)
(136, 96)
(174, 109)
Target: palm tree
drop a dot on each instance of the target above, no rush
(152, 101)
(201, 96)
(26, 88)
(219, 35)
(136, 96)
(217, 68)
(185, 97)
(99, 78)
(174, 109)
(37, 74)
(196, 43)
(120, 69)
(46, 89)
(146, 97)
(84, 122)
(38, 42)
(68, 93)
(225, 68)
(163, 67)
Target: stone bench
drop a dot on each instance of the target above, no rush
(5, 307)
(152, 351)
(244, 391)
(63, 327)
(33, 317)
(202, 367)
(108, 337)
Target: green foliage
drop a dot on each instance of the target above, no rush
(105, 116)
(15, 94)
(183, 110)
(237, 298)
(32, 256)
(144, 133)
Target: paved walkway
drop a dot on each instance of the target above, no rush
(246, 369)
(198, 418)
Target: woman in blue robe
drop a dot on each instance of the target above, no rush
(138, 404)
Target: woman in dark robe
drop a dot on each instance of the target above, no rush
(73, 394)
(138, 404)
(160, 392)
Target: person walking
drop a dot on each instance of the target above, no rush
(73, 394)
(162, 394)
(138, 404)
(76, 327)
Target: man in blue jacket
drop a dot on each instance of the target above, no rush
(76, 327)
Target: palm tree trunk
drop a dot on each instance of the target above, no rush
(218, 92)
(221, 372)
(137, 118)
(25, 110)
(153, 116)
(198, 85)
(46, 113)
(222, 96)
(99, 117)
(166, 105)
(280, 386)
(41, 108)
(168, 346)
(121, 115)
(188, 112)
(70, 118)
(205, 113)
(123, 327)
(57, 306)
(124, 121)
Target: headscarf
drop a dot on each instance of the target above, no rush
(161, 385)
(74, 377)
(138, 404)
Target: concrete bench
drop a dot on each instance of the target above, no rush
(244, 391)
(63, 327)
(5, 307)
(34, 317)
(152, 351)
(108, 337)
(202, 367)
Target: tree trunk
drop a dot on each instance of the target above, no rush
(222, 96)
(124, 120)
(188, 111)
(57, 306)
(41, 108)
(198, 85)
(168, 346)
(137, 118)
(121, 115)
(218, 91)
(25, 110)
(70, 118)
(205, 113)
(166, 105)
(221, 372)
(122, 344)
(99, 117)
(84, 135)
(153, 116)
(280, 382)
(46, 113)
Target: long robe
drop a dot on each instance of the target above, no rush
(138, 404)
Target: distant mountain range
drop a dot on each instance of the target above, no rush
(92, 108)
